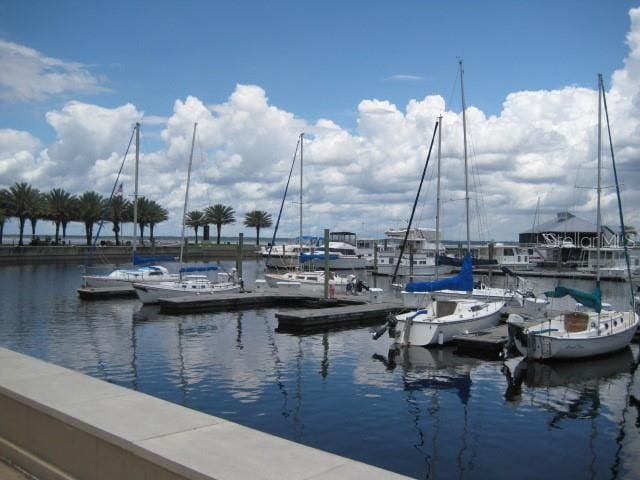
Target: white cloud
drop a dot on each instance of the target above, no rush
(540, 146)
(27, 75)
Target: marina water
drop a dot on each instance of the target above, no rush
(426, 413)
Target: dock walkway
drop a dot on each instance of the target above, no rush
(313, 318)
(490, 340)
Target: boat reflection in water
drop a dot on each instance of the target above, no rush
(431, 369)
(582, 375)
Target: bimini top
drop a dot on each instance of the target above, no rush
(462, 282)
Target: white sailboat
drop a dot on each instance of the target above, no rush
(312, 281)
(439, 321)
(580, 334)
(126, 277)
(188, 284)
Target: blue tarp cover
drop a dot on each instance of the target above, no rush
(197, 269)
(591, 299)
(462, 282)
(307, 257)
(141, 260)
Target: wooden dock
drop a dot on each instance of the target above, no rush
(103, 293)
(249, 300)
(369, 313)
(489, 341)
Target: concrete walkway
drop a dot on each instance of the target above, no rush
(58, 423)
(8, 472)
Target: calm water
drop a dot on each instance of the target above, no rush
(423, 413)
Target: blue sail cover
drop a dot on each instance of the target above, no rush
(591, 299)
(141, 260)
(462, 282)
(197, 269)
(307, 257)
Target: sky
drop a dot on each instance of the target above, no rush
(364, 80)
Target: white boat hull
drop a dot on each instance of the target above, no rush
(438, 331)
(541, 341)
(150, 293)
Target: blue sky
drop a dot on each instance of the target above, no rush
(311, 60)
(317, 59)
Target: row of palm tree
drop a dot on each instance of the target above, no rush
(220, 215)
(26, 203)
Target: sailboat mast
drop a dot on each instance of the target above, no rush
(135, 192)
(466, 169)
(186, 196)
(436, 263)
(301, 177)
(599, 188)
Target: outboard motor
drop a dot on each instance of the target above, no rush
(389, 325)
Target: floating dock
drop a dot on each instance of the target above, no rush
(249, 300)
(103, 293)
(370, 313)
(488, 341)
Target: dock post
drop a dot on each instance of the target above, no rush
(239, 256)
(326, 263)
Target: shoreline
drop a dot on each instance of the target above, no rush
(27, 254)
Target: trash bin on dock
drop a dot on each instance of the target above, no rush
(375, 295)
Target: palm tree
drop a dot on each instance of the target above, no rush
(119, 212)
(4, 210)
(59, 209)
(219, 215)
(23, 200)
(89, 210)
(145, 209)
(195, 220)
(258, 219)
(38, 211)
(157, 214)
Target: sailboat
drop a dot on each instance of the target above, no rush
(193, 284)
(441, 320)
(580, 334)
(311, 281)
(144, 273)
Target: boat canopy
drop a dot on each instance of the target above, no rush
(462, 282)
(307, 257)
(141, 260)
(591, 299)
(197, 269)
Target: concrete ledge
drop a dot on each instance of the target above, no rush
(60, 424)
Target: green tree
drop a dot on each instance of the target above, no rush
(23, 201)
(119, 212)
(89, 210)
(258, 219)
(195, 219)
(4, 210)
(145, 210)
(219, 215)
(157, 214)
(59, 206)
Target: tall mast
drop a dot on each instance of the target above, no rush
(301, 171)
(186, 196)
(599, 188)
(135, 192)
(438, 196)
(466, 171)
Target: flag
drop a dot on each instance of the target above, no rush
(119, 191)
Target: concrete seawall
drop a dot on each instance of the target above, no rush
(15, 255)
(59, 424)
